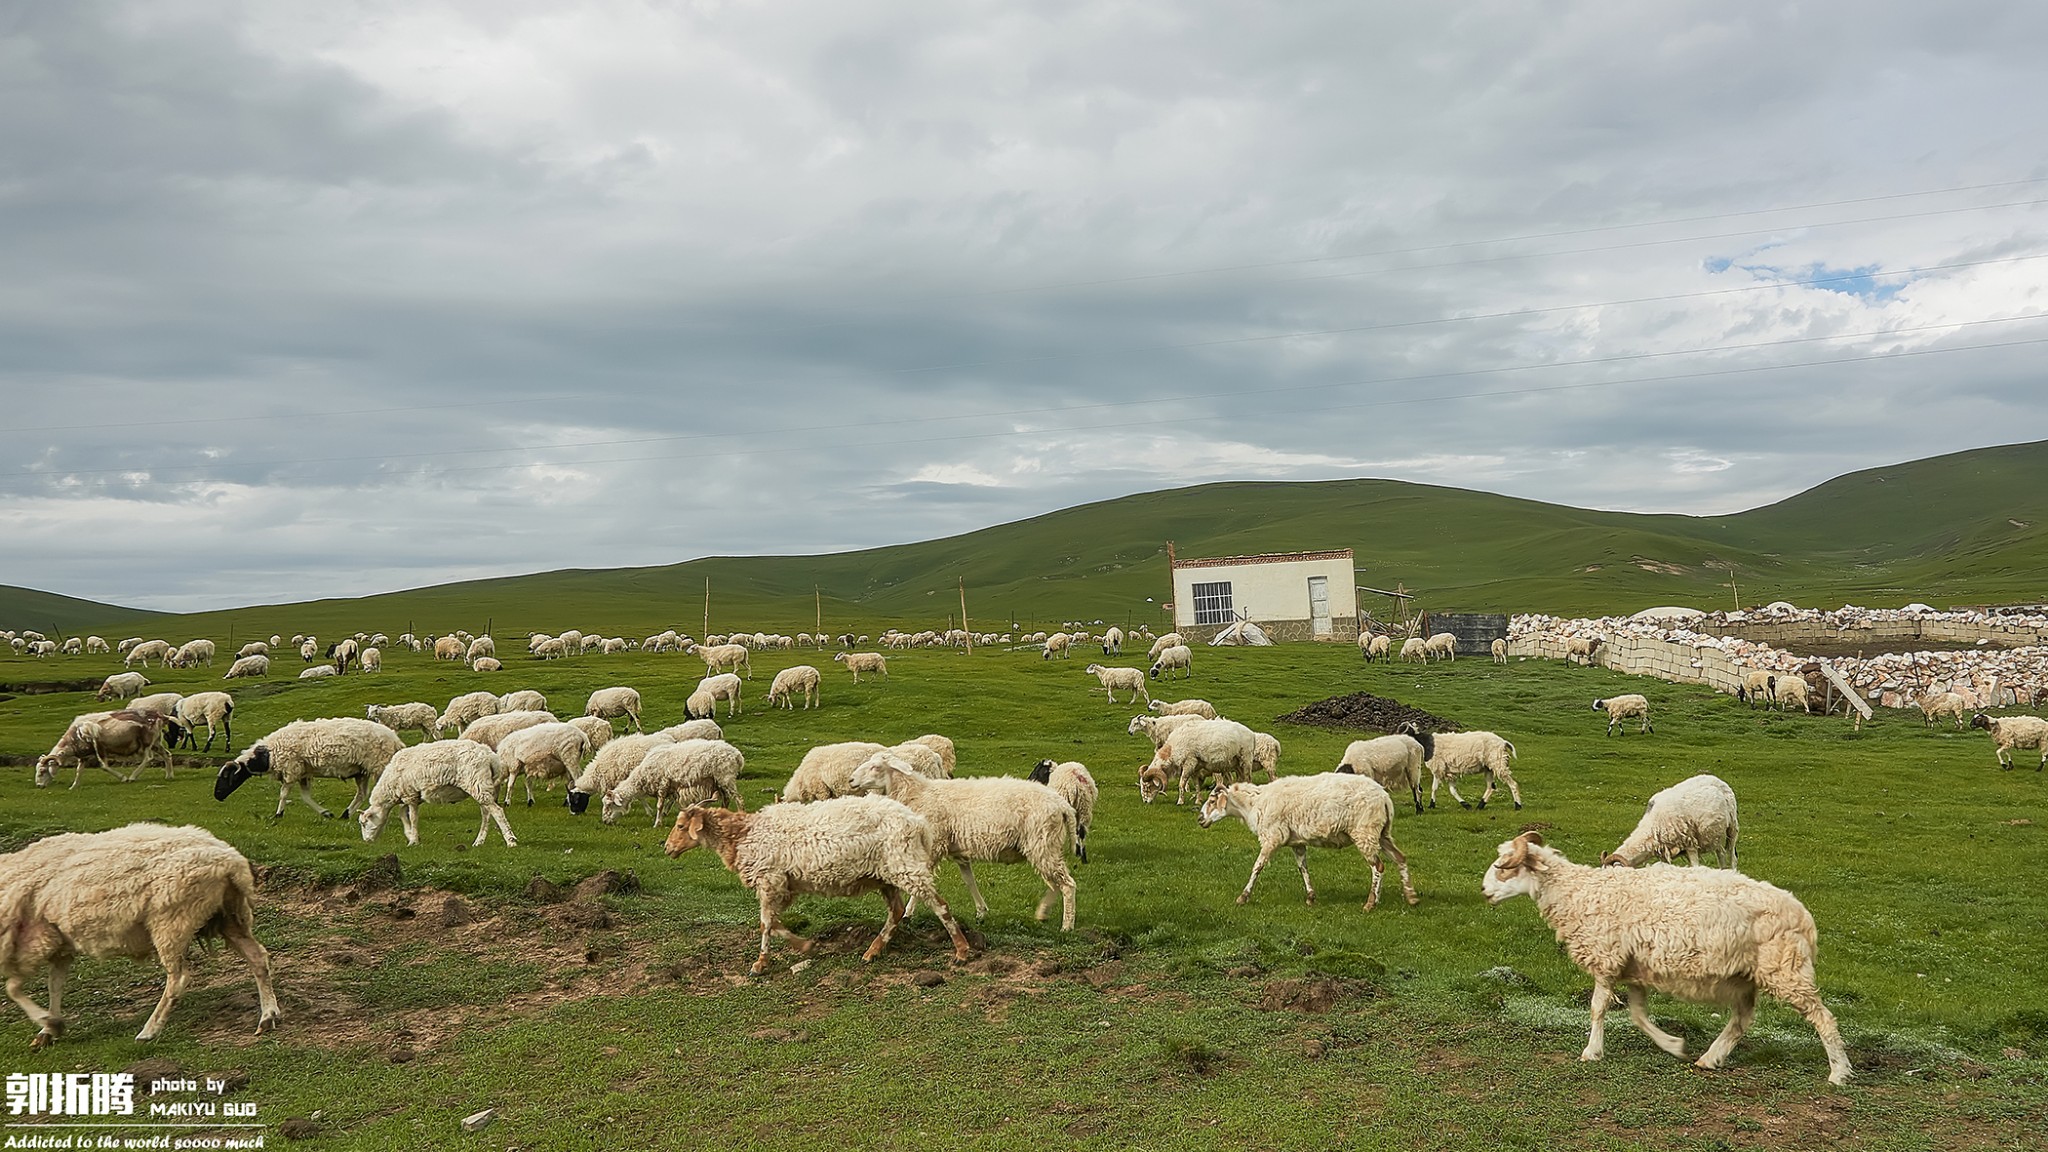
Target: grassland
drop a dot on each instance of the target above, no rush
(1172, 1018)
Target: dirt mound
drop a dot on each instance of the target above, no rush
(1363, 710)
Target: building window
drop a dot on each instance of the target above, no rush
(1212, 603)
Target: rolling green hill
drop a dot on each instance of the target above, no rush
(1968, 527)
(53, 615)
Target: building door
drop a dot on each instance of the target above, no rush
(1319, 607)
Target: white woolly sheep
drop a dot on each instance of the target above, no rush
(1466, 753)
(1202, 708)
(703, 702)
(1196, 751)
(1057, 644)
(1619, 708)
(137, 891)
(1695, 815)
(1076, 786)
(1158, 728)
(307, 650)
(122, 735)
(466, 708)
(610, 703)
(1266, 755)
(444, 772)
(1442, 646)
(544, 752)
(694, 730)
(1177, 658)
(1163, 643)
(486, 664)
(1373, 646)
(1697, 933)
(95, 644)
(859, 662)
(1131, 680)
(480, 647)
(489, 730)
(449, 648)
(1791, 690)
(302, 751)
(825, 770)
(791, 684)
(1499, 648)
(373, 659)
(2010, 732)
(943, 745)
(319, 672)
(1945, 704)
(1113, 642)
(1328, 809)
(611, 765)
(122, 686)
(596, 729)
(1581, 650)
(725, 658)
(1396, 761)
(842, 847)
(1755, 688)
(682, 773)
(192, 654)
(990, 818)
(248, 666)
(210, 709)
(399, 717)
(1416, 649)
(161, 703)
(143, 653)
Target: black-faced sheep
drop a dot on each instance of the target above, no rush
(342, 748)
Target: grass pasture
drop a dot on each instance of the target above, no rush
(1172, 1018)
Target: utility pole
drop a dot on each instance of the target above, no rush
(963, 616)
(707, 611)
(818, 607)
(1732, 588)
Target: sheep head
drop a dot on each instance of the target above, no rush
(252, 762)
(1980, 720)
(1041, 773)
(1513, 872)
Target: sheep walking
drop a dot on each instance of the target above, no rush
(1197, 751)
(612, 764)
(1442, 646)
(1189, 707)
(1074, 785)
(826, 770)
(1944, 705)
(135, 891)
(2010, 732)
(608, 703)
(1396, 762)
(544, 751)
(1619, 708)
(1703, 934)
(1179, 658)
(342, 748)
(1695, 815)
(121, 686)
(703, 703)
(1470, 753)
(1131, 680)
(443, 772)
(123, 735)
(682, 773)
(799, 682)
(1326, 810)
(859, 662)
(210, 709)
(843, 847)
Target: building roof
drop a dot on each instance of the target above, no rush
(1264, 558)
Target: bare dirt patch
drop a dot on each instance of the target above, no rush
(1366, 712)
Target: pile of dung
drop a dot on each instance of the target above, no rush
(1367, 712)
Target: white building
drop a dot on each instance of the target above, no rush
(1292, 595)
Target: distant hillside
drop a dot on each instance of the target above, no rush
(53, 615)
(1969, 527)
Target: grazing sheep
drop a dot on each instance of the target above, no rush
(685, 772)
(1619, 708)
(725, 658)
(1131, 680)
(943, 745)
(479, 648)
(694, 730)
(161, 703)
(247, 666)
(373, 659)
(524, 700)
(449, 648)
(1202, 708)
(143, 653)
(1698, 933)
(489, 730)
(825, 770)
(486, 664)
(1756, 686)
(343, 652)
(610, 766)
(307, 650)
(2010, 732)
(1163, 643)
(1057, 644)
(1074, 784)
(595, 728)
(444, 772)
(1329, 809)
(1695, 815)
(210, 709)
(1158, 728)
(305, 750)
(543, 751)
(1465, 753)
(96, 645)
(703, 703)
(991, 818)
(468, 707)
(609, 703)
(1198, 750)
(122, 686)
(136, 891)
(1414, 648)
(859, 662)
(1442, 646)
(1499, 648)
(399, 717)
(842, 847)
(1179, 657)
(1395, 761)
(1266, 755)
(1947, 704)
(791, 684)
(121, 735)
(192, 654)
(1113, 642)
(1791, 690)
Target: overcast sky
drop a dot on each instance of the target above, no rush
(306, 299)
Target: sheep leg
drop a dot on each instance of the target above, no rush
(496, 814)
(1062, 882)
(1400, 861)
(1415, 790)
(306, 794)
(1785, 969)
(961, 948)
(894, 896)
(1638, 1012)
(175, 975)
(1596, 1036)
(50, 1024)
(661, 801)
(773, 902)
(60, 970)
(973, 889)
(258, 959)
(1739, 1014)
(1692, 855)
(1514, 790)
(528, 776)
(1301, 865)
(1265, 854)
(1453, 786)
(409, 819)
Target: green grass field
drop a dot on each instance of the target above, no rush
(1172, 1018)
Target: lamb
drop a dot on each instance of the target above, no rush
(1395, 761)
(1619, 708)
(992, 818)
(466, 708)
(302, 751)
(1464, 753)
(1695, 815)
(1948, 704)
(1442, 646)
(1756, 686)
(1582, 650)
(596, 729)
(1202, 708)
(103, 734)
(1057, 644)
(1499, 648)
(1414, 648)
(842, 847)
(1074, 785)
(95, 645)
(489, 730)
(399, 717)
(610, 766)
(1113, 642)
(825, 770)
(373, 659)
(859, 662)
(486, 664)
(791, 684)
(247, 666)
(1698, 933)
(1180, 657)
(1163, 643)
(542, 751)
(613, 702)
(1199, 750)
(703, 703)
(682, 772)
(1131, 680)
(135, 891)
(524, 700)
(1791, 690)
(444, 772)
(122, 686)
(693, 730)
(210, 709)
(1329, 809)
(2010, 732)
